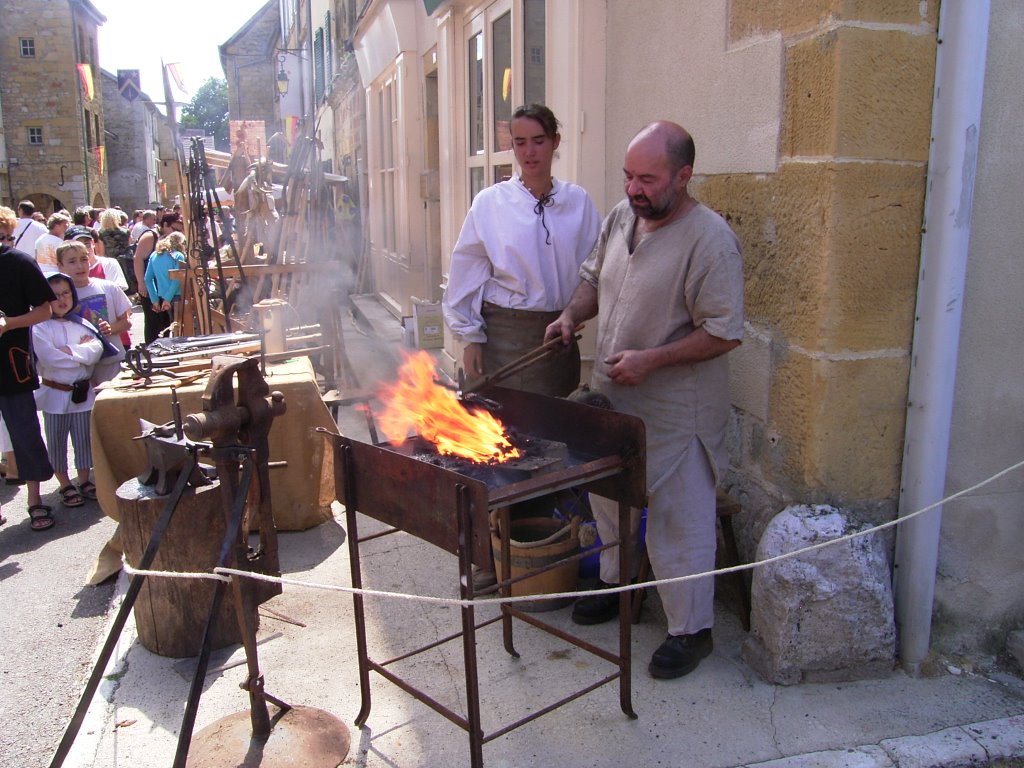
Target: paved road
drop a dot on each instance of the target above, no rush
(50, 621)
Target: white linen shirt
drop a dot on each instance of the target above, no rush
(503, 257)
(52, 364)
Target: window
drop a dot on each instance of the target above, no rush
(318, 66)
(35, 135)
(28, 47)
(328, 53)
(505, 68)
(387, 170)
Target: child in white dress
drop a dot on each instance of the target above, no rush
(67, 349)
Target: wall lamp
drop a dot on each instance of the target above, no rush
(282, 77)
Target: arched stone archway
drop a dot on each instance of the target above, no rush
(45, 203)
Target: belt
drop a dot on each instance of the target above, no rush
(535, 315)
(57, 385)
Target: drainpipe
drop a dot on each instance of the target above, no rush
(952, 163)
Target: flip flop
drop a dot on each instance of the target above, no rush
(40, 517)
(88, 490)
(70, 497)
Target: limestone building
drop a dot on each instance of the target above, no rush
(53, 104)
(249, 58)
(815, 126)
(132, 130)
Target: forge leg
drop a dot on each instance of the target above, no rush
(476, 735)
(625, 611)
(357, 582)
(505, 529)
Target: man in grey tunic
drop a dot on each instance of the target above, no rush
(666, 283)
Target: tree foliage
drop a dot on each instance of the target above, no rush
(209, 110)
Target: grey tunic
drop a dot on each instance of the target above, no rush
(685, 275)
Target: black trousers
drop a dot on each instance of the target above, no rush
(154, 323)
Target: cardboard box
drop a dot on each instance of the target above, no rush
(428, 324)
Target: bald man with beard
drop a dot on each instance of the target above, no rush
(665, 281)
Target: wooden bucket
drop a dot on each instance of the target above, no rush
(536, 542)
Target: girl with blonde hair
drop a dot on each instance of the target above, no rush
(164, 291)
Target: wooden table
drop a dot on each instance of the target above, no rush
(301, 492)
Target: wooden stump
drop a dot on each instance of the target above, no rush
(171, 614)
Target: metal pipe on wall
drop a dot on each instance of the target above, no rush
(952, 163)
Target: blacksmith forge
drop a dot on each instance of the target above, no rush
(449, 508)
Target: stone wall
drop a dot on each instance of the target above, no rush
(45, 92)
(129, 144)
(831, 249)
(251, 70)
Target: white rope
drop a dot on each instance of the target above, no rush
(173, 574)
(225, 574)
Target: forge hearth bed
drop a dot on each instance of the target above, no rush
(430, 500)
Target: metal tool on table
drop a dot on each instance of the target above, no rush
(140, 362)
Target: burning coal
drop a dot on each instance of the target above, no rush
(417, 405)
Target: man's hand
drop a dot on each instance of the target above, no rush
(473, 360)
(563, 327)
(629, 367)
(104, 327)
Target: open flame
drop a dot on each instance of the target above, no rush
(419, 405)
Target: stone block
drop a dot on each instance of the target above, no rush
(875, 253)
(750, 372)
(1002, 739)
(859, 93)
(838, 424)
(825, 615)
(868, 756)
(810, 99)
(885, 94)
(839, 240)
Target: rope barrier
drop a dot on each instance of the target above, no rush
(226, 574)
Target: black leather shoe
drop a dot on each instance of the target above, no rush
(680, 654)
(596, 609)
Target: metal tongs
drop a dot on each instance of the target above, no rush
(509, 369)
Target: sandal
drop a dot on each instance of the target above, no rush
(70, 497)
(14, 481)
(88, 490)
(40, 517)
